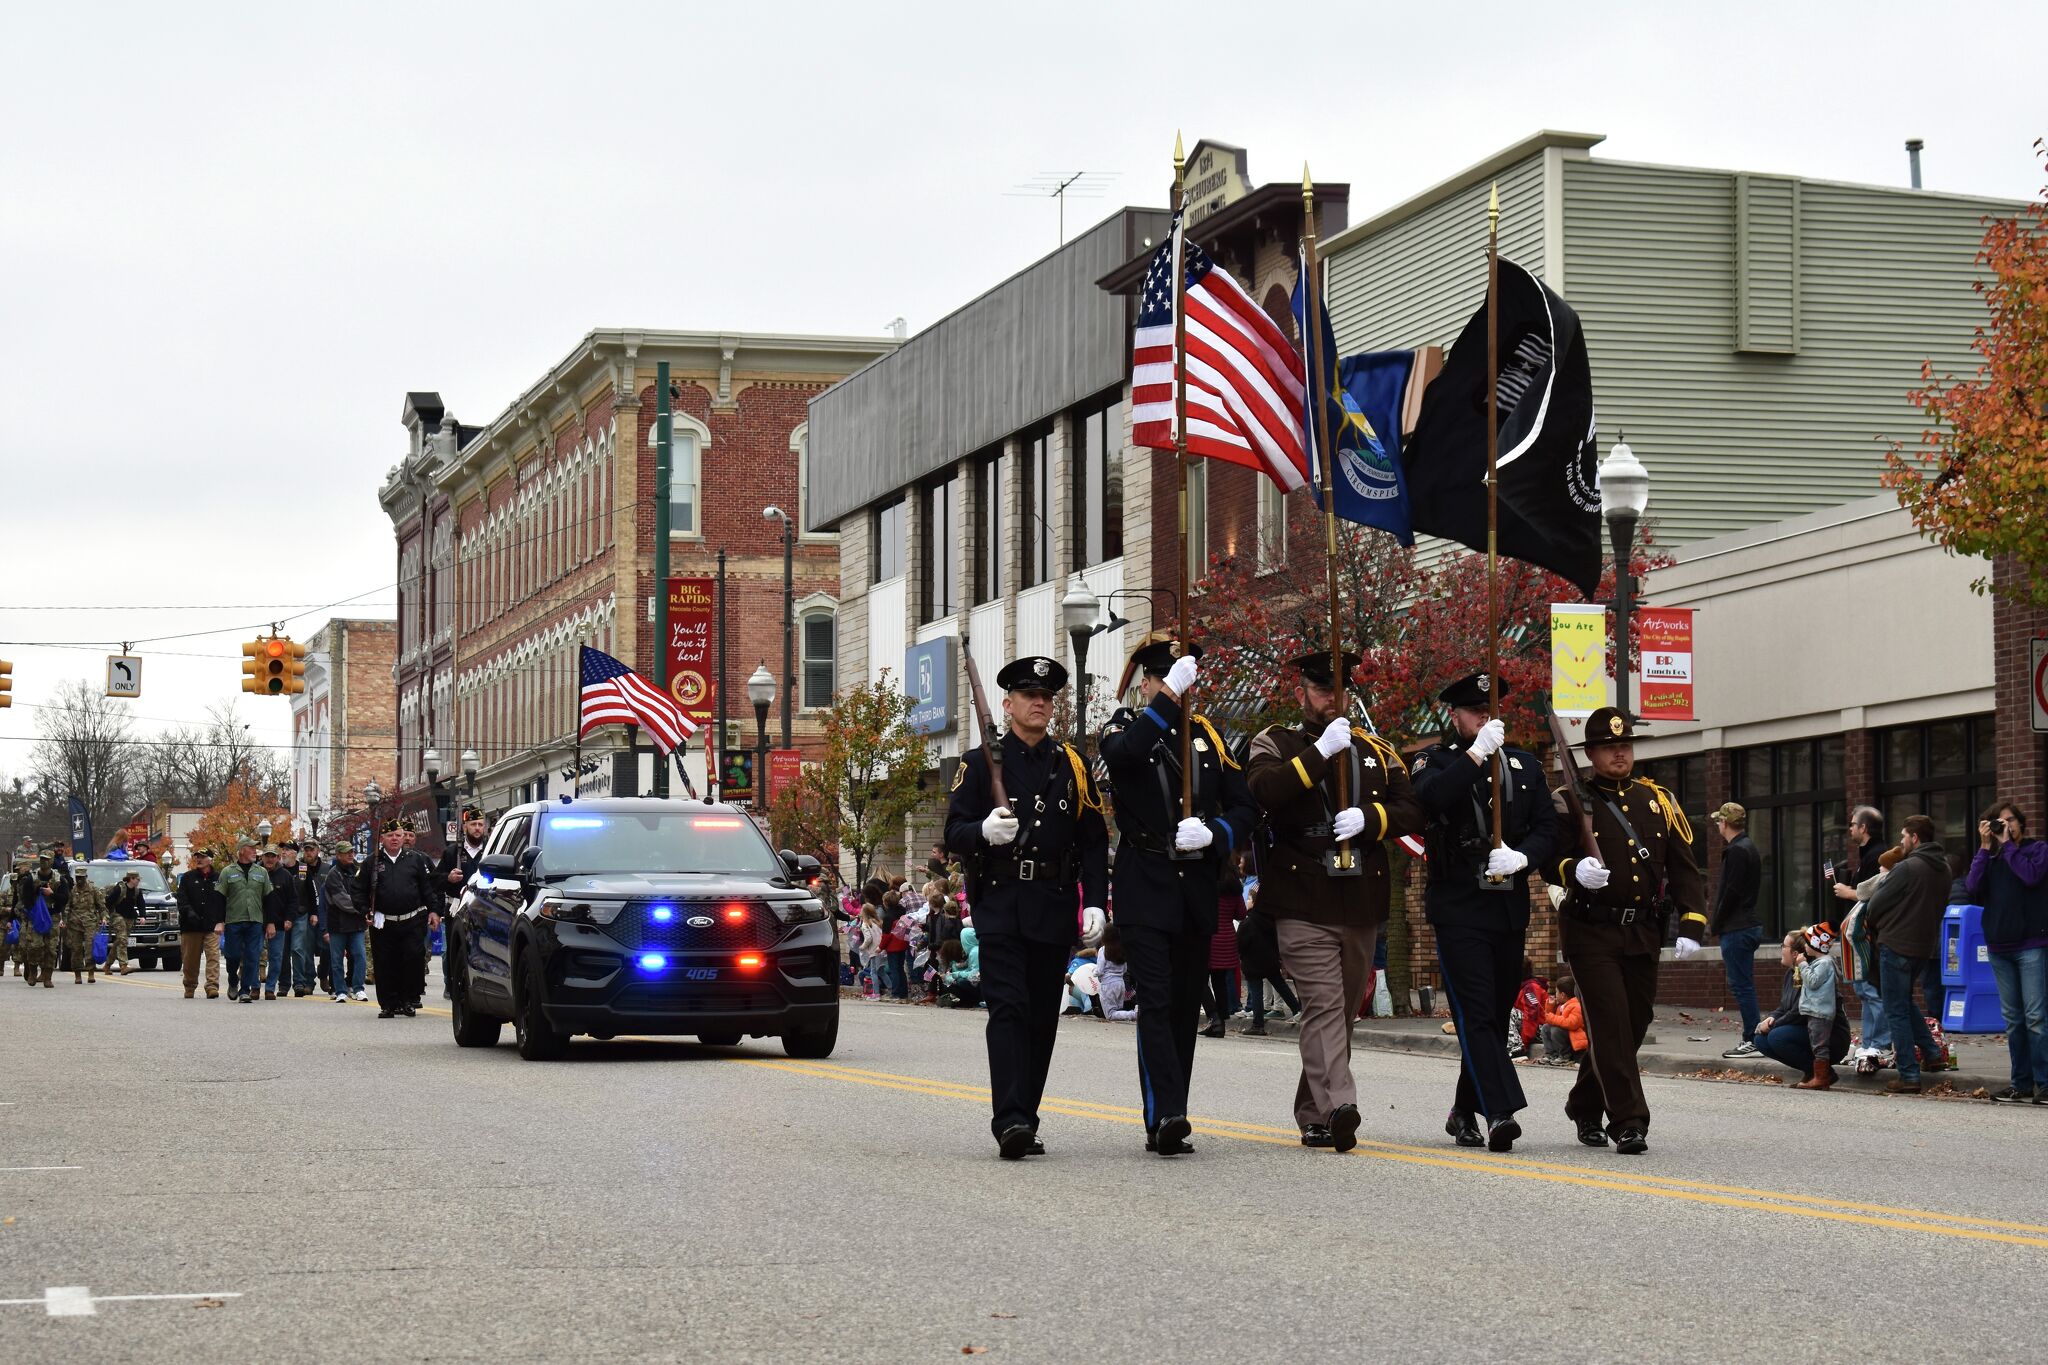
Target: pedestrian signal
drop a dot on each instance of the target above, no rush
(6, 684)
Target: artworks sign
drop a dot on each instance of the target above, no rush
(1667, 663)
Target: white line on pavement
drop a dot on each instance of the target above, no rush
(76, 1301)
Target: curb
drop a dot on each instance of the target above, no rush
(1660, 1063)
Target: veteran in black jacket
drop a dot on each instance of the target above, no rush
(1477, 896)
(398, 884)
(1037, 871)
(1168, 870)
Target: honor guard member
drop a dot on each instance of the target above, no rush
(1327, 917)
(397, 884)
(1167, 870)
(1477, 897)
(459, 860)
(1024, 861)
(1617, 910)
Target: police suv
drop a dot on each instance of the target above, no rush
(640, 915)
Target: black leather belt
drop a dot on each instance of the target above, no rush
(1620, 916)
(1049, 871)
(1146, 843)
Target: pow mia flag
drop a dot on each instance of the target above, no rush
(1549, 497)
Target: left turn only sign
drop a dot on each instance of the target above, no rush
(124, 675)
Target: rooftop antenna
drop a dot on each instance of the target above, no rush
(1913, 146)
(1059, 185)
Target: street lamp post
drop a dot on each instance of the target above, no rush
(761, 692)
(372, 794)
(263, 831)
(788, 614)
(430, 762)
(469, 763)
(1624, 494)
(1079, 611)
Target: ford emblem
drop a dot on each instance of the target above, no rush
(699, 921)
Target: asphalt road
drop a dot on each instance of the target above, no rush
(368, 1192)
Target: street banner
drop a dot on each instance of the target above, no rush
(785, 766)
(690, 646)
(81, 829)
(1578, 658)
(1666, 643)
(739, 776)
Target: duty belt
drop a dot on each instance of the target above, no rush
(1619, 916)
(1051, 870)
(400, 919)
(1146, 843)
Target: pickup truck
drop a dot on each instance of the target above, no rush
(153, 939)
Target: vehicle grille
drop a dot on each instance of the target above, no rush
(637, 928)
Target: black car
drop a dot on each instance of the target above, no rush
(640, 915)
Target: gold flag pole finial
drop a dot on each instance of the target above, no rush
(1493, 208)
(1179, 157)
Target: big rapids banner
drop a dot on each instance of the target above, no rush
(690, 646)
(1666, 642)
(1578, 658)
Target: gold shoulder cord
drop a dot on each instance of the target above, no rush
(1089, 800)
(1217, 740)
(1673, 816)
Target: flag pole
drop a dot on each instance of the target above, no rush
(1180, 458)
(1492, 486)
(1319, 405)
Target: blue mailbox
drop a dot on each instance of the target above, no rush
(1970, 992)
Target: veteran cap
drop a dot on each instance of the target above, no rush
(1607, 726)
(470, 813)
(1032, 673)
(1470, 690)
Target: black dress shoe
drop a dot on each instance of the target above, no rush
(1255, 1031)
(1015, 1143)
(409, 1011)
(1036, 1148)
(1592, 1135)
(1317, 1135)
(1501, 1133)
(1344, 1127)
(1463, 1130)
(1632, 1142)
(1214, 1030)
(1172, 1137)
(387, 1014)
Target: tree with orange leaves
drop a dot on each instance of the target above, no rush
(236, 817)
(1977, 481)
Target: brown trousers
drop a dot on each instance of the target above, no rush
(190, 946)
(1617, 991)
(1331, 967)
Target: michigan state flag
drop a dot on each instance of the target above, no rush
(1362, 396)
(1549, 496)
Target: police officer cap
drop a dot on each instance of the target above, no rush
(1155, 654)
(1607, 726)
(1471, 691)
(1032, 673)
(1315, 667)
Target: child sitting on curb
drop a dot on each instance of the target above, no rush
(1564, 1026)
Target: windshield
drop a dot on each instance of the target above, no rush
(107, 876)
(597, 842)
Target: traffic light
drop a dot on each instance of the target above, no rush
(252, 653)
(6, 684)
(294, 667)
(273, 666)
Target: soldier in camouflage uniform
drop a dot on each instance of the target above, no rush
(38, 952)
(82, 918)
(8, 915)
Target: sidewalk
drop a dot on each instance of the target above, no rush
(1690, 1043)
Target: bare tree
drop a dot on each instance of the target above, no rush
(192, 765)
(85, 751)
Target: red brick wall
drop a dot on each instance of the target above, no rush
(2022, 759)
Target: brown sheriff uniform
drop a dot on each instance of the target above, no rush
(1612, 938)
(1327, 926)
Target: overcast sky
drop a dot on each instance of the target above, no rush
(233, 236)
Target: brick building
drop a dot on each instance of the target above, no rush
(344, 733)
(522, 539)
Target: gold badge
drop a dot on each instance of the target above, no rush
(1201, 746)
(1615, 726)
(959, 775)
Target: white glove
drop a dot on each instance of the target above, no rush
(1191, 835)
(1349, 821)
(1686, 948)
(1092, 922)
(1335, 739)
(999, 826)
(1505, 862)
(1591, 873)
(1487, 742)
(1181, 676)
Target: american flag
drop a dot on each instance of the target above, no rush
(614, 694)
(1246, 384)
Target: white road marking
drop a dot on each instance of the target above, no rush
(76, 1301)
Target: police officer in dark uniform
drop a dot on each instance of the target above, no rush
(1024, 861)
(1617, 910)
(1477, 898)
(1167, 870)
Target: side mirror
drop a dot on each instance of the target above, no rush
(528, 857)
(498, 864)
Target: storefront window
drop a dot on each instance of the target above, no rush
(1797, 818)
(1945, 770)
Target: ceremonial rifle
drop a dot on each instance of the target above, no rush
(1575, 805)
(991, 742)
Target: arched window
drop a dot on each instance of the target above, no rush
(688, 440)
(818, 637)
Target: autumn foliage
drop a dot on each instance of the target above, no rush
(856, 799)
(236, 817)
(1977, 480)
(1418, 627)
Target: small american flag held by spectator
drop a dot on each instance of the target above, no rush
(614, 694)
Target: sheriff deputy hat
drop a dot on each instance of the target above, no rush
(1032, 673)
(1607, 726)
(1315, 666)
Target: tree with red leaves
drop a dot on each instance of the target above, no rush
(1977, 482)
(1417, 626)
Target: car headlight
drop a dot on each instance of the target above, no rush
(567, 911)
(799, 912)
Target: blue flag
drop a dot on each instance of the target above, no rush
(1364, 395)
